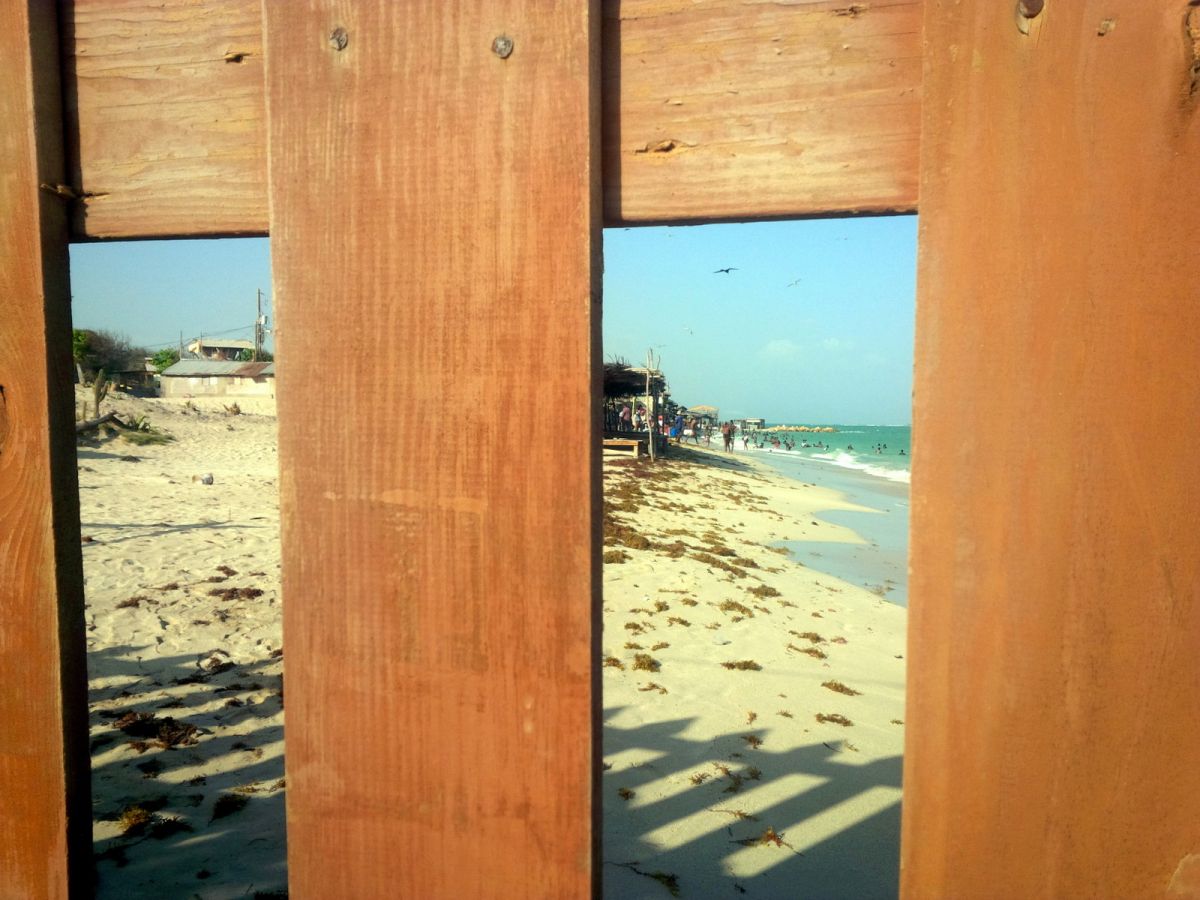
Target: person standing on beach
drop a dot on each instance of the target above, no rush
(626, 421)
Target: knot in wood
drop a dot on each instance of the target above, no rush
(1030, 8)
(338, 38)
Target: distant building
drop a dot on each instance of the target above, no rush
(218, 350)
(216, 378)
(705, 414)
(753, 424)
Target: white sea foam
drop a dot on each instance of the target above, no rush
(849, 461)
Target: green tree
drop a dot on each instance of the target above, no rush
(248, 356)
(164, 359)
(96, 350)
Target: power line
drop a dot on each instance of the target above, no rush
(174, 341)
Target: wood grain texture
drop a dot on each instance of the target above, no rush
(435, 227)
(1053, 705)
(165, 109)
(45, 821)
(717, 109)
(746, 110)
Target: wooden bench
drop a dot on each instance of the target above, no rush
(624, 445)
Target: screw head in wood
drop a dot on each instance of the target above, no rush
(502, 46)
(1030, 9)
(338, 39)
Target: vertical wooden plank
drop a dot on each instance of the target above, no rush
(434, 227)
(45, 821)
(1054, 680)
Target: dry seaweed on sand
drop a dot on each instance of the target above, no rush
(611, 662)
(762, 591)
(667, 879)
(166, 733)
(134, 819)
(834, 718)
(742, 665)
(810, 636)
(235, 593)
(737, 814)
(653, 686)
(809, 651)
(625, 793)
(644, 662)
(840, 688)
(717, 563)
(228, 804)
(732, 606)
(768, 837)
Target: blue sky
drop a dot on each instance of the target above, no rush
(150, 291)
(815, 326)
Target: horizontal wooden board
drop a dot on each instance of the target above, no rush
(741, 110)
(716, 109)
(166, 128)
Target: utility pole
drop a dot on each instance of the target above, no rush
(651, 405)
(258, 328)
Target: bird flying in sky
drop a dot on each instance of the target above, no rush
(726, 271)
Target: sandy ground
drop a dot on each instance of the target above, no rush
(779, 777)
(185, 653)
(718, 782)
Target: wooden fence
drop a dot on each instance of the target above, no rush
(435, 176)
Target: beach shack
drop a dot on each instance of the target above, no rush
(434, 179)
(213, 378)
(704, 414)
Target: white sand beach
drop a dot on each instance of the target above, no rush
(753, 706)
(718, 781)
(185, 652)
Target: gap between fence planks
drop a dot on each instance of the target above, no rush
(713, 109)
(435, 228)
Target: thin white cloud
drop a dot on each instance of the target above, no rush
(778, 349)
(836, 345)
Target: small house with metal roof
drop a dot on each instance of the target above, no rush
(215, 378)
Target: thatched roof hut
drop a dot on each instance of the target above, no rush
(624, 380)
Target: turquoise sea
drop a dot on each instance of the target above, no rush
(865, 465)
(883, 451)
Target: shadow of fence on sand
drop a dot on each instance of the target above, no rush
(837, 819)
(187, 775)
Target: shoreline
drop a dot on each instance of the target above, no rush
(880, 564)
